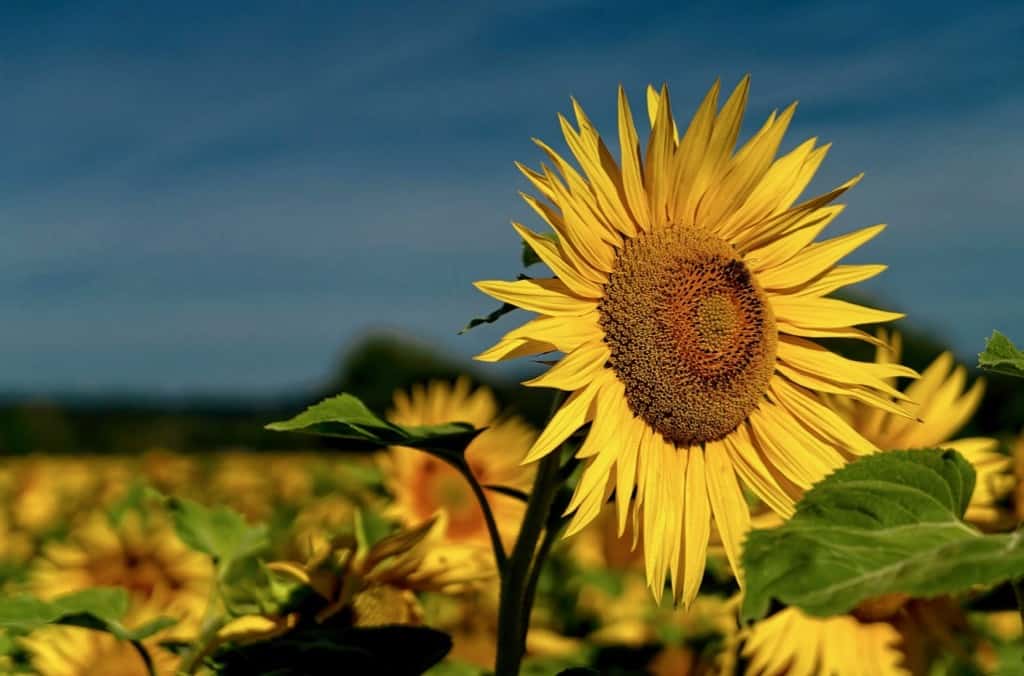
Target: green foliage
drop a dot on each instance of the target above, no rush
(888, 523)
(1002, 356)
(313, 649)
(346, 417)
(529, 256)
(489, 318)
(220, 532)
(99, 608)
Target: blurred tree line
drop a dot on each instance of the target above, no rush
(372, 369)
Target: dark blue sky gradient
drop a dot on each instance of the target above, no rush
(217, 197)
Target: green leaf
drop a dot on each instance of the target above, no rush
(885, 524)
(488, 318)
(219, 532)
(345, 417)
(529, 256)
(1001, 356)
(98, 608)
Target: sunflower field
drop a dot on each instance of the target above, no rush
(736, 474)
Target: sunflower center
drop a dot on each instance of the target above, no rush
(691, 334)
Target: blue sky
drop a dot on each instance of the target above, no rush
(217, 201)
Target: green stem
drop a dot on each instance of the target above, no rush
(551, 534)
(146, 659)
(1018, 592)
(492, 527)
(212, 621)
(512, 608)
(191, 662)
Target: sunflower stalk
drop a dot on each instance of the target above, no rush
(500, 557)
(205, 641)
(513, 613)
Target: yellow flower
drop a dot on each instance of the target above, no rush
(687, 290)
(342, 570)
(888, 635)
(794, 644)
(423, 485)
(73, 651)
(940, 407)
(142, 554)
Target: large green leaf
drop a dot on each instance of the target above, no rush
(100, 608)
(220, 532)
(1002, 356)
(888, 523)
(346, 417)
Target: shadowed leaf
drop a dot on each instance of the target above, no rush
(888, 523)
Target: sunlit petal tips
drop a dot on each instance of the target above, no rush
(688, 288)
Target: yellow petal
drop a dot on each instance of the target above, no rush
(823, 420)
(580, 198)
(568, 240)
(691, 167)
(572, 415)
(781, 250)
(757, 235)
(602, 171)
(732, 515)
(513, 348)
(697, 528)
(842, 332)
(809, 356)
(545, 334)
(660, 148)
(585, 232)
(549, 253)
(815, 259)
(625, 466)
(544, 296)
(840, 276)
(752, 470)
(781, 451)
(632, 176)
(826, 313)
(746, 170)
(821, 383)
(574, 370)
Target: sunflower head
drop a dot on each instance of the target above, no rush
(424, 485)
(377, 579)
(790, 642)
(687, 289)
(690, 333)
(74, 651)
(140, 553)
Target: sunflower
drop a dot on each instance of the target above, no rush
(74, 651)
(422, 484)
(686, 293)
(141, 553)
(795, 644)
(941, 406)
(887, 635)
(377, 582)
